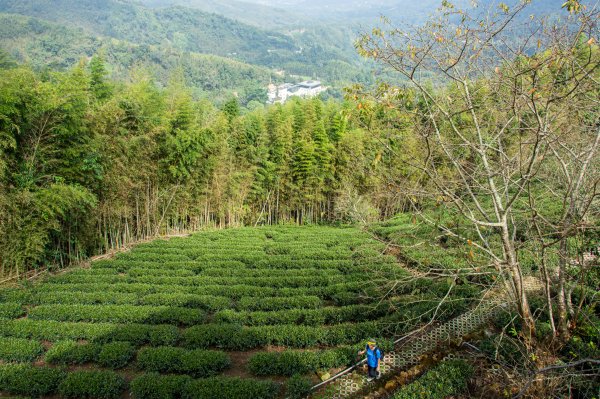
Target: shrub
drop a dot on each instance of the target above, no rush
(230, 388)
(10, 310)
(207, 302)
(277, 303)
(446, 379)
(92, 384)
(82, 298)
(198, 363)
(156, 386)
(115, 354)
(298, 387)
(70, 352)
(22, 379)
(118, 314)
(19, 350)
(288, 363)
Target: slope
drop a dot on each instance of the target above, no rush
(45, 45)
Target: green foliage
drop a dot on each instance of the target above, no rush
(92, 384)
(19, 350)
(230, 388)
(196, 363)
(115, 355)
(288, 363)
(70, 352)
(23, 379)
(118, 314)
(11, 310)
(446, 379)
(298, 387)
(156, 386)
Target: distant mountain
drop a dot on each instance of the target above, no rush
(367, 12)
(251, 13)
(46, 45)
(180, 28)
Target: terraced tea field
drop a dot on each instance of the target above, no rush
(223, 314)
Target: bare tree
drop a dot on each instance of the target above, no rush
(492, 95)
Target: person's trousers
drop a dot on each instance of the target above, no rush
(373, 372)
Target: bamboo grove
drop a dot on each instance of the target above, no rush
(87, 165)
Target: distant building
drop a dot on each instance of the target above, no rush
(307, 89)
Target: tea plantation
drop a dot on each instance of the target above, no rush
(221, 314)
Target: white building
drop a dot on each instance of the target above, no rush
(307, 89)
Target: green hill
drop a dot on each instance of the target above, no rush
(46, 45)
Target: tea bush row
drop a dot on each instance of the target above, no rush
(156, 386)
(118, 314)
(289, 362)
(136, 334)
(113, 355)
(236, 337)
(10, 310)
(312, 317)
(22, 379)
(19, 350)
(197, 363)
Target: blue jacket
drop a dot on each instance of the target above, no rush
(373, 356)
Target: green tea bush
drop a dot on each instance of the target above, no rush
(10, 310)
(236, 337)
(230, 388)
(137, 334)
(85, 298)
(118, 314)
(288, 363)
(15, 295)
(71, 352)
(206, 302)
(115, 355)
(19, 350)
(156, 386)
(446, 379)
(278, 303)
(23, 379)
(93, 385)
(197, 363)
(298, 387)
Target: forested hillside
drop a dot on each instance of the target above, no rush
(48, 46)
(167, 32)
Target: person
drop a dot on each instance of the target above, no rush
(373, 358)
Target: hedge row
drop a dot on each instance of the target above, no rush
(156, 386)
(84, 298)
(197, 363)
(278, 303)
(22, 379)
(10, 310)
(111, 355)
(369, 289)
(230, 336)
(446, 379)
(236, 337)
(19, 350)
(118, 314)
(92, 385)
(288, 363)
(311, 317)
(200, 281)
(136, 334)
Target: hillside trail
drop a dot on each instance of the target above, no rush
(410, 353)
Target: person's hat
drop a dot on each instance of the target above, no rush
(371, 342)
